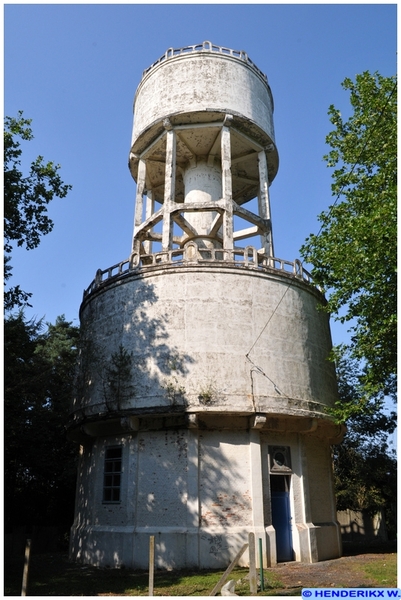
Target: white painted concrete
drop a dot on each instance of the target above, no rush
(189, 330)
(197, 359)
(199, 493)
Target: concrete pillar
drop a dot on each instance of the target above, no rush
(264, 203)
(257, 492)
(202, 181)
(169, 187)
(307, 537)
(228, 241)
(193, 498)
(149, 208)
(140, 189)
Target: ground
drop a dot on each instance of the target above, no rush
(55, 575)
(348, 571)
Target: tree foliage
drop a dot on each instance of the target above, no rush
(26, 199)
(365, 467)
(354, 255)
(39, 461)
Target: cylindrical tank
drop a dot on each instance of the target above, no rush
(204, 385)
(202, 79)
(195, 88)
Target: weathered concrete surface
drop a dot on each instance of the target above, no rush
(199, 494)
(201, 489)
(189, 331)
(195, 93)
(203, 366)
(201, 83)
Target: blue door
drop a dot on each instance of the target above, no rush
(281, 520)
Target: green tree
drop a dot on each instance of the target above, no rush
(25, 199)
(354, 255)
(40, 463)
(365, 467)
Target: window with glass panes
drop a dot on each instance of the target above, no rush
(112, 474)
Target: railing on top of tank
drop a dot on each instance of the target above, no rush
(247, 257)
(205, 47)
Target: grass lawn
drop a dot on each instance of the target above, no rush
(384, 571)
(54, 575)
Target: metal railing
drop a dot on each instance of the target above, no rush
(247, 257)
(205, 47)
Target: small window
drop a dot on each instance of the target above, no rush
(280, 459)
(112, 474)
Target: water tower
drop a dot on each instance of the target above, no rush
(202, 395)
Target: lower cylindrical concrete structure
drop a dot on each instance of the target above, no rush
(197, 375)
(254, 337)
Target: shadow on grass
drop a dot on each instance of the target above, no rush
(55, 575)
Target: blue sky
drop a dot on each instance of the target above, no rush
(74, 68)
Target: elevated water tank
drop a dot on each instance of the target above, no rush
(204, 383)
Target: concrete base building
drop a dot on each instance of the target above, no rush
(202, 395)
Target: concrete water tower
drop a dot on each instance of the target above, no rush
(204, 380)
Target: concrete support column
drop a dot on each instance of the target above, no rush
(150, 209)
(256, 479)
(257, 492)
(193, 498)
(202, 181)
(307, 537)
(264, 203)
(228, 241)
(140, 189)
(169, 187)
